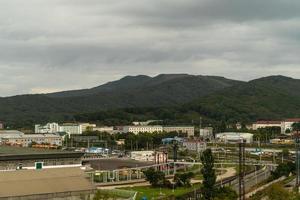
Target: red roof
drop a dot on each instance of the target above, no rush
(268, 122)
(292, 120)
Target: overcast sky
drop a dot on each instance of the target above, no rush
(52, 45)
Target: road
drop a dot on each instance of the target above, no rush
(229, 173)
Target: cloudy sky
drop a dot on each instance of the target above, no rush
(52, 45)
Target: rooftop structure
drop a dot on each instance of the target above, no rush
(232, 137)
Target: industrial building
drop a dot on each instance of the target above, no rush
(46, 160)
(233, 137)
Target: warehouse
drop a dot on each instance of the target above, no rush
(232, 137)
(44, 160)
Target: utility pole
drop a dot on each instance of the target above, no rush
(297, 149)
(241, 169)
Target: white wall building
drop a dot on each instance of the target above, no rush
(87, 126)
(287, 124)
(206, 133)
(71, 128)
(194, 145)
(142, 155)
(265, 124)
(108, 129)
(48, 128)
(232, 137)
(142, 129)
(189, 130)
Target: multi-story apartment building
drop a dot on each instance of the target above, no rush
(70, 128)
(189, 130)
(48, 128)
(142, 129)
(264, 124)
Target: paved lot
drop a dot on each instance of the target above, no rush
(117, 163)
(30, 182)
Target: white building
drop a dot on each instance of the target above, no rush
(194, 145)
(142, 155)
(142, 129)
(108, 129)
(265, 124)
(232, 137)
(9, 133)
(87, 127)
(48, 128)
(287, 124)
(189, 130)
(71, 128)
(206, 133)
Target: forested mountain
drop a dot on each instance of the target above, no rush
(175, 98)
(273, 97)
(130, 91)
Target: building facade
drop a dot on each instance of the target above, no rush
(206, 133)
(108, 129)
(194, 145)
(26, 140)
(233, 137)
(287, 125)
(71, 128)
(265, 124)
(142, 129)
(189, 130)
(48, 128)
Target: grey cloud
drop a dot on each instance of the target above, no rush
(67, 44)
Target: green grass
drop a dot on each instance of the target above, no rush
(150, 192)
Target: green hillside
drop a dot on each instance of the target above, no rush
(128, 92)
(274, 97)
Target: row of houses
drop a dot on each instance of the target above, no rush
(285, 125)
